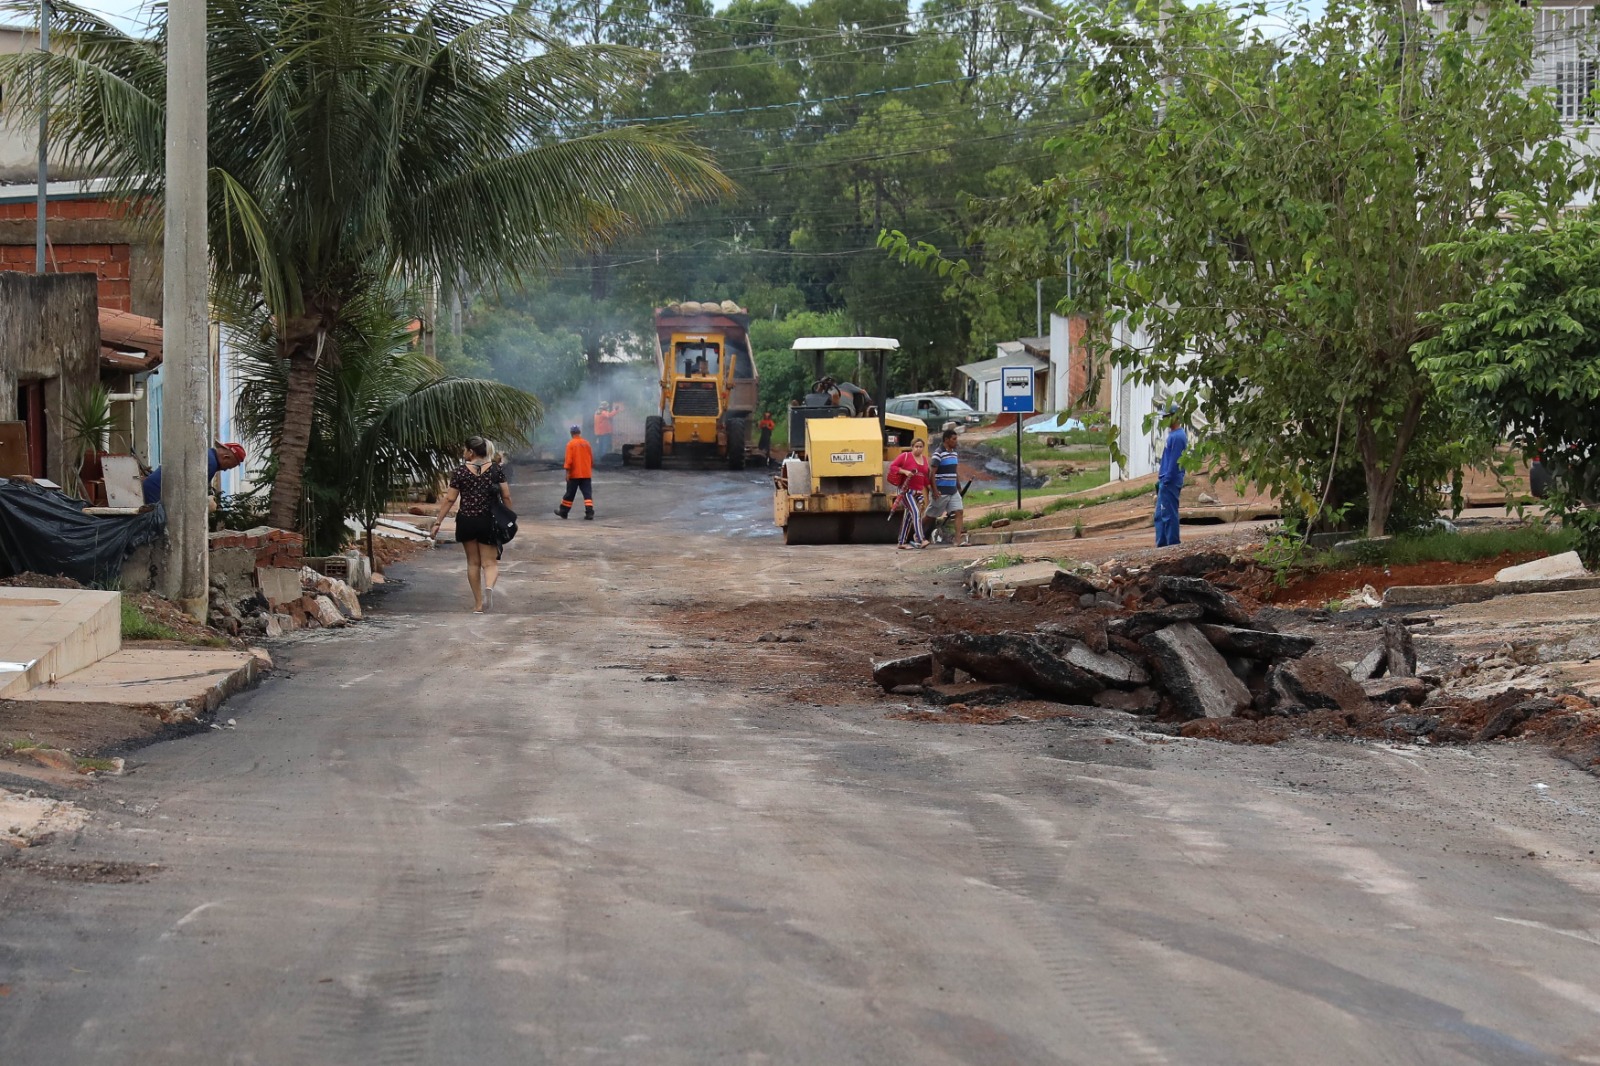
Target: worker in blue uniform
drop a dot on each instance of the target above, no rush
(1169, 482)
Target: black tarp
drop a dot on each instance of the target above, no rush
(45, 531)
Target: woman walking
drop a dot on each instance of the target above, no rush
(910, 474)
(475, 482)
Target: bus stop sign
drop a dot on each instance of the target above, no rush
(1016, 390)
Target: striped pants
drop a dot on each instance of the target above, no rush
(911, 507)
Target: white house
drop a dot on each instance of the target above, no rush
(982, 389)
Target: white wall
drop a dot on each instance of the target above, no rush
(1131, 401)
(1061, 357)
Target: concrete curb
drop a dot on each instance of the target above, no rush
(1450, 595)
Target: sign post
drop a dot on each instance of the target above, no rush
(1016, 397)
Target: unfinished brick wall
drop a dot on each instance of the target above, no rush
(88, 236)
(273, 547)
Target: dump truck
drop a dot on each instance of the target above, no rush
(833, 487)
(708, 386)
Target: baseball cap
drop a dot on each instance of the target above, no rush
(236, 449)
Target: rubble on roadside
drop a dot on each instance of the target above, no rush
(1190, 658)
(261, 584)
(1164, 645)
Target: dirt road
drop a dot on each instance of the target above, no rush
(453, 839)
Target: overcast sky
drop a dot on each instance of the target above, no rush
(127, 12)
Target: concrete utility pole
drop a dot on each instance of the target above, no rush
(186, 394)
(44, 145)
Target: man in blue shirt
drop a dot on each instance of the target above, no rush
(1169, 482)
(946, 467)
(221, 457)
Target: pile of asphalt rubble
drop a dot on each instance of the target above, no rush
(1165, 646)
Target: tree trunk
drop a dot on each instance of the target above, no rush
(299, 344)
(1382, 471)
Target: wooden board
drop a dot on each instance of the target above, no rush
(14, 449)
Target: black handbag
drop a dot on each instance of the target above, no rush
(504, 520)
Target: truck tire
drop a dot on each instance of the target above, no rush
(735, 444)
(655, 432)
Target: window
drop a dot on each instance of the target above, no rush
(1569, 63)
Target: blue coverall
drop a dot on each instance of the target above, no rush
(1168, 484)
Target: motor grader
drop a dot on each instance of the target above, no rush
(708, 386)
(833, 488)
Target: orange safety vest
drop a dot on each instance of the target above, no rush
(602, 422)
(580, 460)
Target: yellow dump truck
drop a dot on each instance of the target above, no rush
(833, 488)
(708, 386)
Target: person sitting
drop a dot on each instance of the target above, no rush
(218, 458)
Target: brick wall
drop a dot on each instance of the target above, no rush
(273, 547)
(111, 263)
(64, 209)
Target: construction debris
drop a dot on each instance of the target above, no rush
(1171, 645)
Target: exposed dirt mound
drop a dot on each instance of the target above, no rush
(1318, 588)
(29, 580)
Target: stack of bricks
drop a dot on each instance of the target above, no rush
(272, 547)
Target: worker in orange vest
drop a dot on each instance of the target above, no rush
(604, 419)
(580, 468)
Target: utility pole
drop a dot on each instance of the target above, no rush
(186, 394)
(44, 140)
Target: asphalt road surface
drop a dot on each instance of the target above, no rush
(443, 838)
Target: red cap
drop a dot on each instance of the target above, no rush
(237, 450)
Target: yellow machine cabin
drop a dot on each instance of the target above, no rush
(832, 489)
(708, 385)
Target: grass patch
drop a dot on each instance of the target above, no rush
(1034, 447)
(135, 626)
(1088, 479)
(1057, 506)
(100, 766)
(1001, 560)
(1443, 547)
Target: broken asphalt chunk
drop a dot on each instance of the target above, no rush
(1140, 624)
(1316, 682)
(1016, 658)
(911, 670)
(1218, 605)
(1254, 644)
(1195, 674)
(1411, 690)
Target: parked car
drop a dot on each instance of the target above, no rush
(935, 409)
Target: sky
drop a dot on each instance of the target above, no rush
(126, 12)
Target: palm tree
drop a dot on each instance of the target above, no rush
(387, 417)
(357, 141)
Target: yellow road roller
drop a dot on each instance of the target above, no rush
(832, 489)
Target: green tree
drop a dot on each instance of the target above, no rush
(1522, 351)
(1256, 209)
(388, 418)
(355, 141)
(836, 118)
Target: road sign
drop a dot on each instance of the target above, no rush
(1016, 389)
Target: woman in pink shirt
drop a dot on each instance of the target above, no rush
(910, 474)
